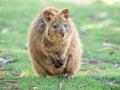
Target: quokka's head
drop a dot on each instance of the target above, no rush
(58, 24)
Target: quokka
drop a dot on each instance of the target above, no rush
(53, 43)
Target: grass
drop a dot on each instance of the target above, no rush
(101, 68)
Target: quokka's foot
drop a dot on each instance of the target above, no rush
(68, 76)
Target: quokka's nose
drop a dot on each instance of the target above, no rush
(62, 32)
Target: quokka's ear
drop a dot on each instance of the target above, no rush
(48, 15)
(65, 13)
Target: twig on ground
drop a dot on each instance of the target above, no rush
(9, 81)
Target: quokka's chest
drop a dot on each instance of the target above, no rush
(55, 52)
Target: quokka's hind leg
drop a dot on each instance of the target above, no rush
(39, 69)
(72, 66)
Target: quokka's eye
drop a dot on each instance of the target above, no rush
(65, 25)
(55, 26)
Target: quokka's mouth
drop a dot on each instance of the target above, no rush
(62, 33)
(59, 36)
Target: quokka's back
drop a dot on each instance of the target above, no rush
(54, 45)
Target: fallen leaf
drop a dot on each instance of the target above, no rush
(83, 69)
(110, 82)
(105, 23)
(83, 85)
(102, 14)
(1, 74)
(112, 52)
(93, 62)
(87, 61)
(109, 47)
(9, 81)
(87, 83)
(82, 30)
(34, 88)
(11, 88)
(91, 72)
(17, 88)
(6, 61)
(117, 66)
(4, 30)
(16, 74)
(0, 51)
(107, 44)
(91, 19)
(117, 28)
(106, 49)
(1, 60)
(60, 85)
(3, 68)
(8, 88)
(27, 73)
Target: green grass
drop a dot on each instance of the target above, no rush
(15, 17)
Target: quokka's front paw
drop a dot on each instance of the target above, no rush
(68, 76)
(58, 62)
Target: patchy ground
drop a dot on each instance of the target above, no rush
(99, 28)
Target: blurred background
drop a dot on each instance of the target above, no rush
(97, 21)
(98, 24)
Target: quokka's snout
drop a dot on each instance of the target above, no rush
(62, 32)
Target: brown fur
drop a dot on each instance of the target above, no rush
(54, 43)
